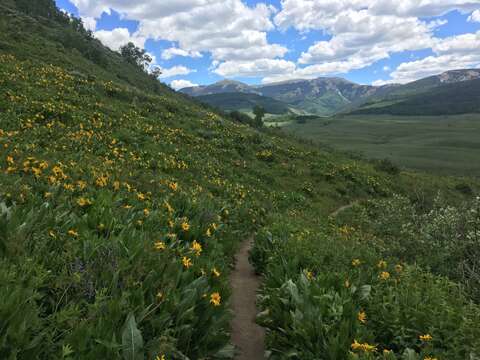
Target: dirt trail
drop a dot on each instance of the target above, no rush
(247, 336)
(343, 208)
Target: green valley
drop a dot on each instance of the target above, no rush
(447, 144)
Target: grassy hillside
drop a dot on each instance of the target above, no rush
(446, 145)
(245, 102)
(445, 99)
(122, 203)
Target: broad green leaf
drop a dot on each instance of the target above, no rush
(132, 341)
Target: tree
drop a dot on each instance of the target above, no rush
(136, 56)
(156, 72)
(259, 113)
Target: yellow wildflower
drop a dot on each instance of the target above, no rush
(81, 184)
(102, 181)
(68, 187)
(426, 337)
(309, 275)
(215, 299)
(209, 232)
(185, 226)
(197, 247)
(10, 160)
(384, 275)
(73, 233)
(141, 197)
(398, 268)
(382, 264)
(356, 346)
(116, 185)
(187, 262)
(146, 212)
(37, 172)
(162, 357)
(362, 317)
(83, 202)
(160, 245)
(356, 262)
(215, 272)
(173, 186)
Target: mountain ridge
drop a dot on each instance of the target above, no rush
(328, 96)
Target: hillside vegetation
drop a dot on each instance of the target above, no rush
(445, 145)
(445, 99)
(245, 102)
(122, 204)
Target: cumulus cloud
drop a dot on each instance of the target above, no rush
(181, 84)
(475, 17)
(175, 71)
(359, 32)
(363, 32)
(118, 37)
(170, 53)
(89, 23)
(228, 29)
(254, 68)
(455, 52)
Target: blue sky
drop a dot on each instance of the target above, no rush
(374, 42)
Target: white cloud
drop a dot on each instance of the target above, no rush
(90, 23)
(255, 68)
(359, 32)
(118, 37)
(181, 84)
(364, 31)
(455, 52)
(176, 71)
(475, 17)
(170, 53)
(228, 29)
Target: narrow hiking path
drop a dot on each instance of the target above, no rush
(247, 336)
(344, 208)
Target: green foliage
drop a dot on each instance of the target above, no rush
(327, 293)
(244, 102)
(132, 341)
(259, 113)
(135, 56)
(446, 239)
(448, 99)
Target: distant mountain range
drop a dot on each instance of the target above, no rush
(328, 96)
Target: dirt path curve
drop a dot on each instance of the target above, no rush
(247, 336)
(343, 208)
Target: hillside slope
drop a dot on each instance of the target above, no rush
(443, 94)
(122, 204)
(445, 99)
(242, 101)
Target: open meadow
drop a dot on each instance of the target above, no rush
(447, 145)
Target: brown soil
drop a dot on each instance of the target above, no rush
(247, 336)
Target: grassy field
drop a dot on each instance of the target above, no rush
(447, 145)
